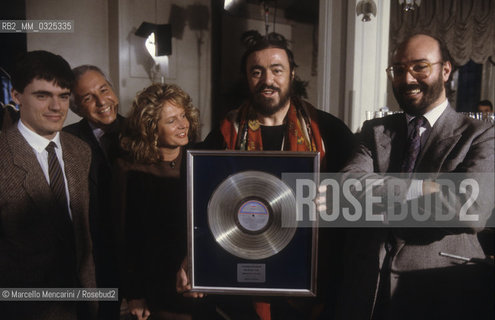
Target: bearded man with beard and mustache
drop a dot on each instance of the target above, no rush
(275, 117)
(398, 273)
(431, 94)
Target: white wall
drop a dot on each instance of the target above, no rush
(367, 57)
(187, 68)
(118, 52)
(332, 57)
(353, 59)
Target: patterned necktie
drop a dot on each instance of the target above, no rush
(382, 301)
(57, 183)
(62, 221)
(414, 145)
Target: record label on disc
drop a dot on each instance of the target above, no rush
(253, 215)
(245, 214)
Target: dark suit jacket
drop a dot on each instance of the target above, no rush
(100, 191)
(38, 248)
(426, 284)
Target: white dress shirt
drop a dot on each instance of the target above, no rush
(39, 144)
(416, 187)
(97, 132)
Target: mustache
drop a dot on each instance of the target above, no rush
(263, 87)
(412, 87)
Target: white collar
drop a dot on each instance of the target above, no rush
(36, 141)
(432, 115)
(97, 132)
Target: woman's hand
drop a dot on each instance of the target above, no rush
(182, 284)
(139, 308)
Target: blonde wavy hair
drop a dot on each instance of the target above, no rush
(140, 135)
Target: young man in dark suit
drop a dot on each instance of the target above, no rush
(400, 273)
(95, 101)
(44, 227)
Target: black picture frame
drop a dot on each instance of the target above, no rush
(211, 268)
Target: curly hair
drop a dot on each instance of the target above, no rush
(253, 41)
(140, 135)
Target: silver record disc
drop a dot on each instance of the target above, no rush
(245, 215)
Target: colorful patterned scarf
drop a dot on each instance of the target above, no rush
(241, 129)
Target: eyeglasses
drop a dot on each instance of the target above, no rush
(418, 70)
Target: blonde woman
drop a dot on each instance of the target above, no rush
(161, 123)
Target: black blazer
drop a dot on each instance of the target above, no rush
(101, 212)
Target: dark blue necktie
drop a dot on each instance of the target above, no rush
(414, 145)
(382, 301)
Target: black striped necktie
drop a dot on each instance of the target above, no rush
(414, 145)
(57, 183)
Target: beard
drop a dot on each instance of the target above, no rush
(431, 93)
(269, 106)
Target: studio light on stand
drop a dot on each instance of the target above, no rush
(159, 45)
(230, 4)
(161, 62)
(235, 7)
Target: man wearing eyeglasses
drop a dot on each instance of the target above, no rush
(403, 273)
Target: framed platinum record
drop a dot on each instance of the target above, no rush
(236, 241)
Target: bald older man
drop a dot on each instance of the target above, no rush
(96, 102)
(399, 273)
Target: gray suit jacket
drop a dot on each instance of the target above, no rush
(424, 284)
(38, 248)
